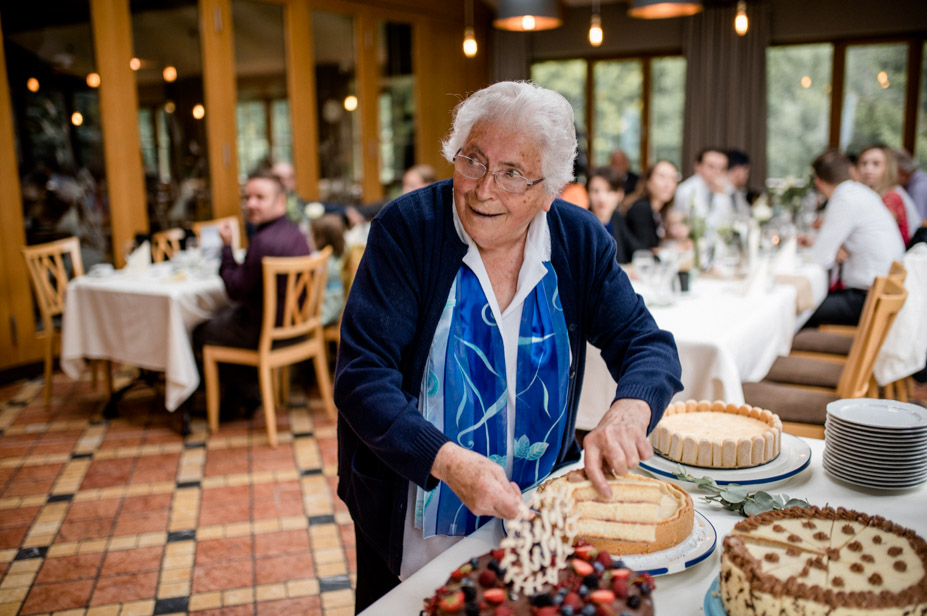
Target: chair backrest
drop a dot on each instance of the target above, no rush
(233, 221)
(165, 243)
(49, 274)
(898, 271)
(304, 279)
(885, 299)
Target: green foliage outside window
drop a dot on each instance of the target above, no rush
(619, 101)
(874, 96)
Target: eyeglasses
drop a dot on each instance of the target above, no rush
(509, 180)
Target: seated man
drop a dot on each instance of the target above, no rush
(858, 234)
(240, 325)
(705, 194)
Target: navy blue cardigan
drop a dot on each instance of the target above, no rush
(412, 256)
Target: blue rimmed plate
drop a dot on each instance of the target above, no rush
(794, 457)
(713, 605)
(694, 549)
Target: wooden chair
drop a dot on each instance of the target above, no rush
(332, 333)
(897, 271)
(234, 221)
(49, 275)
(300, 332)
(799, 388)
(165, 243)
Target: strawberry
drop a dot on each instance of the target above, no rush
(503, 610)
(605, 558)
(621, 574)
(572, 599)
(581, 567)
(488, 578)
(586, 552)
(452, 602)
(494, 595)
(462, 571)
(620, 588)
(603, 597)
(498, 554)
(550, 610)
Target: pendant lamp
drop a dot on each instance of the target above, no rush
(661, 9)
(527, 15)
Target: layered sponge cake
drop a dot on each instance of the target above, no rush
(643, 515)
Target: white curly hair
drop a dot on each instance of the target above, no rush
(545, 115)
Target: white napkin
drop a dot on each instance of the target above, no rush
(139, 260)
(784, 259)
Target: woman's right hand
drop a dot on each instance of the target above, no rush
(478, 482)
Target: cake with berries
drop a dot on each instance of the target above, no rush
(591, 583)
(717, 435)
(643, 515)
(806, 560)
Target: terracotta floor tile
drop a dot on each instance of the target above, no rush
(347, 535)
(28, 487)
(223, 576)
(222, 495)
(150, 502)
(238, 610)
(222, 550)
(95, 480)
(284, 542)
(14, 451)
(18, 517)
(138, 560)
(99, 528)
(225, 513)
(91, 510)
(12, 537)
(60, 596)
(133, 523)
(286, 607)
(39, 471)
(68, 568)
(273, 569)
(123, 588)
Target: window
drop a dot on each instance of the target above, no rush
(921, 141)
(798, 98)
(396, 105)
(618, 98)
(568, 77)
(874, 96)
(667, 107)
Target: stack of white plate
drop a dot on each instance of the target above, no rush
(876, 443)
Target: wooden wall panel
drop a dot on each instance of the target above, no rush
(300, 69)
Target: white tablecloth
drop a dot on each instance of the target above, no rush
(723, 336)
(143, 320)
(683, 593)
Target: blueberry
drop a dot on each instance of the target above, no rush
(634, 602)
(493, 565)
(469, 592)
(625, 613)
(645, 589)
(617, 563)
(472, 609)
(599, 567)
(583, 590)
(588, 610)
(558, 599)
(474, 562)
(592, 581)
(566, 610)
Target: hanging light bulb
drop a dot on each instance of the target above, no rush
(469, 43)
(595, 31)
(741, 23)
(528, 23)
(595, 26)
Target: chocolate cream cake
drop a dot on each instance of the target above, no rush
(591, 583)
(823, 561)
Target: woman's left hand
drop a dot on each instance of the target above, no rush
(618, 443)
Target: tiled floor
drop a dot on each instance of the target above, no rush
(124, 517)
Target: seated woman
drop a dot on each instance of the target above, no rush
(329, 231)
(649, 204)
(879, 171)
(606, 190)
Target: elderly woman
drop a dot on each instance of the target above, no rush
(464, 337)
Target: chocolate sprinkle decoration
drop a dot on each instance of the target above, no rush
(821, 535)
(867, 558)
(875, 579)
(771, 557)
(809, 524)
(792, 552)
(779, 528)
(793, 538)
(856, 546)
(895, 550)
(900, 566)
(877, 539)
(837, 581)
(856, 568)
(847, 529)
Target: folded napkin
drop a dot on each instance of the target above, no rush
(139, 260)
(804, 299)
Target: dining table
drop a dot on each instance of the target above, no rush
(728, 330)
(143, 317)
(684, 590)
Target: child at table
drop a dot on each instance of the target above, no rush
(328, 230)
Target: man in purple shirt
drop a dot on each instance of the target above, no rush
(240, 325)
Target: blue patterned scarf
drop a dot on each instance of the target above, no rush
(465, 392)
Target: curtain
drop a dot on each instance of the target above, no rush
(726, 85)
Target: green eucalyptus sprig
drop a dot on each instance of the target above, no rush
(735, 497)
